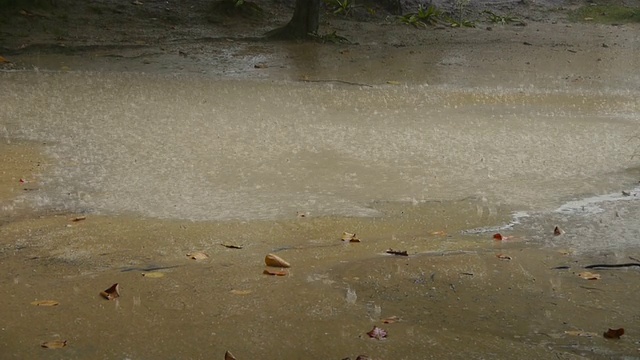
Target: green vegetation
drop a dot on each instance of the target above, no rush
(501, 19)
(331, 38)
(343, 7)
(606, 14)
(425, 16)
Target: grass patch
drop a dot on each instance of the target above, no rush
(606, 14)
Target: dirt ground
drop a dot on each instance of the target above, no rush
(459, 295)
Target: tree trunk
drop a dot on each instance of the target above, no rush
(304, 21)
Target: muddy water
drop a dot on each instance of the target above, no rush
(161, 173)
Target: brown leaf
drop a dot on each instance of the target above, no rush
(614, 333)
(111, 293)
(498, 237)
(557, 231)
(347, 236)
(276, 273)
(587, 275)
(439, 233)
(391, 320)
(54, 344)
(397, 252)
(503, 257)
(276, 261)
(229, 356)
(45, 303)
(198, 256)
(5, 61)
(230, 246)
(78, 218)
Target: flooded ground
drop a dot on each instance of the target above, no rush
(114, 168)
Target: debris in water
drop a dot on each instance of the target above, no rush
(580, 333)
(377, 333)
(302, 214)
(54, 344)
(347, 236)
(231, 246)
(500, 237)
(439, 233)
(275, 273)
(78, 218)
(45, 303)
(153, 275)
(276, 261)
(229, 356)
(587, 275)
(260, 66)
(626, 193)
(397, 252)
(111, 293)
(5, 61)
(197, 256)
(351, 297)
(557, 231)
(391, 320)
(503, 257)
(614, 333)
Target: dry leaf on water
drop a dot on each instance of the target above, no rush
(557, 231)
(198, 256)
(78, 218)
(276, 273)
(229, 356)
(503, 257)
(45, 303)
(54, 344)
(347, 236)
(397, 252)
(153, 275)
(231, 246)
(276, 261)
(439, 233)
(391, 320)
(111, 293)
(377, 333)
(614, 333)
(500, 237)
(587, 275)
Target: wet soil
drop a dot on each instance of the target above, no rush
(454, 297)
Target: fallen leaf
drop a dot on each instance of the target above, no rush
(503, 257)
(275, 273)
(276, 261)
(347, 236)
(54, 344)
(198, 256)
(45, 303)
(499, 237)
(397, 252)
(614, 333)
(391, 320)
(5, 61)
(78, 218)
(393, 82)
(557, 231)
(153, 275)
(229, 356)
(22, 181)
(377, 333)
(111, 293)
(587, 275)
(240, 292)
(439, 233)
(260, 66)
(230, 246)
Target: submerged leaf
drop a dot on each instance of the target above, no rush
(276, 273)
(587, 275)
(111, 293)
(347, 236)
(614, 333)
(276, 261)
(54, 344)
(45, 303)
(377, 333)
(198, 256)
(153, 275)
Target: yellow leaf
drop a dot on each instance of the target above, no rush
(153, 275)
(589, 275)
(276, 261)
(45, 303)
(54, 344)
